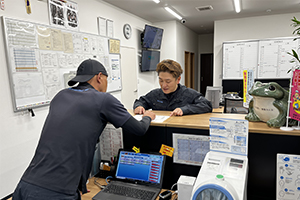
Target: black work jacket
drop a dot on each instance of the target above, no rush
(188, 100)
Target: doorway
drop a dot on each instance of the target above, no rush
(129, 76)
(206, 71)
(189, 69)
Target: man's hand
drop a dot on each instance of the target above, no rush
(150, 114)
(139, 110)
(176, 112)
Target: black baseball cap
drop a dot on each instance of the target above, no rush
(87, 70)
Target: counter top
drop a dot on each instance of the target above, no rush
(201, 121)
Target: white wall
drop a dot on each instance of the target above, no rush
(177, 40)
(187, 41)
(205, 43)
(19, 132)
(246, 29)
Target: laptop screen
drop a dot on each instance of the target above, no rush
(143, 167)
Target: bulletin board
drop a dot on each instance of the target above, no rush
(41, 60)
(268, 58)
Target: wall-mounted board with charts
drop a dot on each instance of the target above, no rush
(239, 56)
(273, 59)
(41, 59)
(268, 58)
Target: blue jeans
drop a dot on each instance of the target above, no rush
(27, 191)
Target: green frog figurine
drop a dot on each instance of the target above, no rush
(269, 104)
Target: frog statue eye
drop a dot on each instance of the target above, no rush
(272, 88)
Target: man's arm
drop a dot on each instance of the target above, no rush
(200, 105)
(140, 102)
(139, 127)
(146, 100)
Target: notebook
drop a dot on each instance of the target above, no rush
(140, 173)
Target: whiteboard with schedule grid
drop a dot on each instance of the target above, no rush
(41, 59)
(268, 58)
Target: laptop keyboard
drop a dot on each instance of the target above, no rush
(129, 192)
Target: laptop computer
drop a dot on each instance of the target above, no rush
(140, 173)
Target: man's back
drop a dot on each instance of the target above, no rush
(76, 118)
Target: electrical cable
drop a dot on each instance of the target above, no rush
(108, 178)
(173, 186)
(98, 184)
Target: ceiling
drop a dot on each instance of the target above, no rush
(202, 22)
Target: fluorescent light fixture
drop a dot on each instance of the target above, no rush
(237, 5)
(156, 1)
(173, 13)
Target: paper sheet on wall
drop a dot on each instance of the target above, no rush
(21, 33)
(111, 140)
(63, 14)
(44, 38)
(288, 177)
(110, 28)
(190, 149)
(102, 26)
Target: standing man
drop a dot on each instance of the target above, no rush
(77, 116)
(172, 96)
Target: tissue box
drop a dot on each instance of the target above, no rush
(185, 186)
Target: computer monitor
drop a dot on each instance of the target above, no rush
(214, 94)
(235, 105)
(152, 37)
(149, 60)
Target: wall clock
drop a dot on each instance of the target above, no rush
(127, 31)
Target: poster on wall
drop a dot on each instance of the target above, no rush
(63, 14)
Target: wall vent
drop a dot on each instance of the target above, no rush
(203, 8)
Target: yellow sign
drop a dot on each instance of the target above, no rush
(137, 150)
(245, 80)
(166, 150)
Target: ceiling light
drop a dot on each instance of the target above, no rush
(156, 1)
(237, 5)
(173, 13)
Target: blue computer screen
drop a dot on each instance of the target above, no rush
(140, 166)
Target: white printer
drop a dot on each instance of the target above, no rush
(223, 175)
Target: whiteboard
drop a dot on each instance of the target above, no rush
(273, 59)
(268, 58)
(42, 59)
(239, 56)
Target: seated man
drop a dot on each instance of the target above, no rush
(172, 96)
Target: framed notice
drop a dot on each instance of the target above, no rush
(114, 46)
